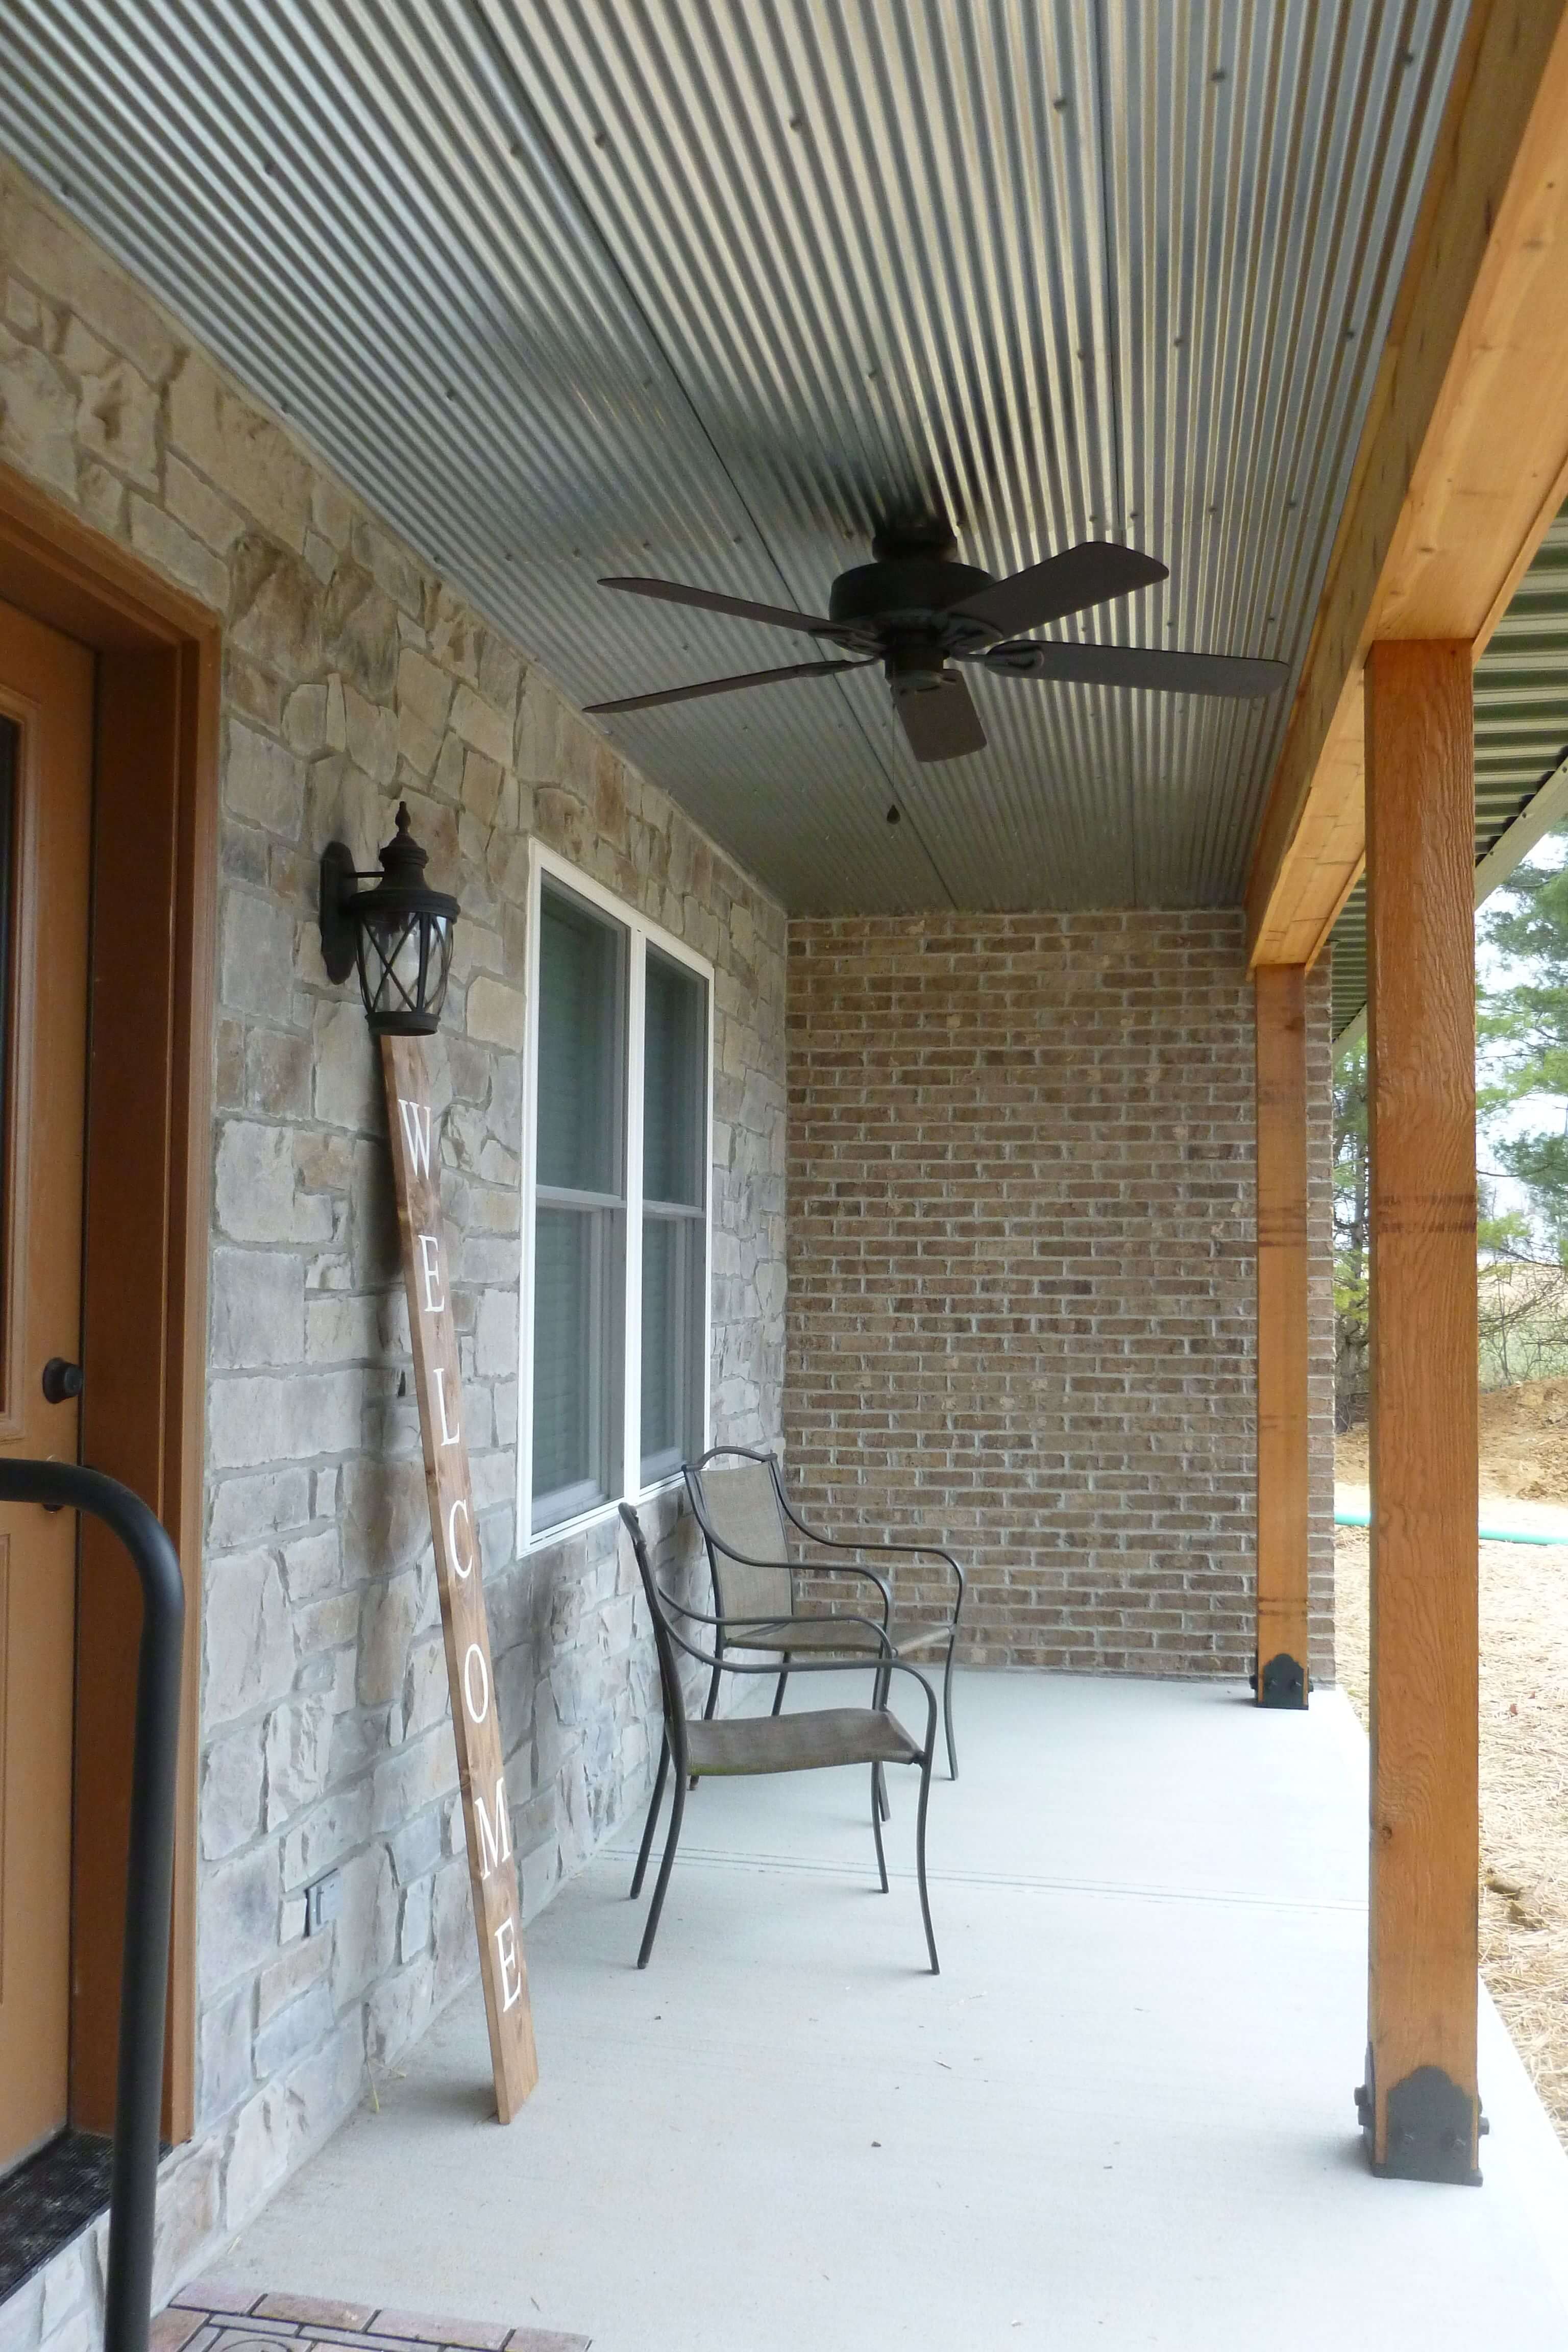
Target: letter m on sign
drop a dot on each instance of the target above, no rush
(495, 1841)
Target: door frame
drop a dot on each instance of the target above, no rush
(148, 1191)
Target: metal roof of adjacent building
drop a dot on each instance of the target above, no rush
(710, 288)
(1521, 752)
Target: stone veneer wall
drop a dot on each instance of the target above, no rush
(1022, 1302)
(353, 676)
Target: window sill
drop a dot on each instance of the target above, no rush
(563, 1530)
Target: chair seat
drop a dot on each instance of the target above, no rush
(837, 1637)
(799, 1743)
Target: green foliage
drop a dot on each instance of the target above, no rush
(1522, 1034)
(1351, 1233)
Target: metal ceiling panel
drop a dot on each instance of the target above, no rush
(712, 288)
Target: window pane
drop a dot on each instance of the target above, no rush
(675, 1052)
(582, 993)
(575, 1262)
(672, 1277)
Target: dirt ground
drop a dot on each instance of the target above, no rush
(1524, 1444)
(1524, 1723)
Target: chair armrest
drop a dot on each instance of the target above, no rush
(847, 1568)
(716, 1543)
(903, 1551)
(735, 1628)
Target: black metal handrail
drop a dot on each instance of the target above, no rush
(149, 1876)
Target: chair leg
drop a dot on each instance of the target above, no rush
(778, 1694)
(876, 1825)
(707, 1710)
(657, 1799)
(664, 1870)
(947, 1712)
(920, 1863)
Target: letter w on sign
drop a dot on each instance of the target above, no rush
(493, 1871)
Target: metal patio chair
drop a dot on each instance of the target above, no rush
(813, 1740)
(739, 1499)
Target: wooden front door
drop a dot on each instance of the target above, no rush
(45, 809)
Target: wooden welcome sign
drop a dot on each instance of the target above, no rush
(492, 1870)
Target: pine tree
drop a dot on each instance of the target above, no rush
(1523, 1032)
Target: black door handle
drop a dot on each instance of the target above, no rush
(61, 1380)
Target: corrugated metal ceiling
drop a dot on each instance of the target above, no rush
(1522, 738)
(711, 290)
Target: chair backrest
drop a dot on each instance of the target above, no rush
(663, 1641)
(737, 1507)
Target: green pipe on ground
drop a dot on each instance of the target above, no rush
(1485, 1535)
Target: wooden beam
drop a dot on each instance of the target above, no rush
(1463, 456)
(1420, 2107)
(1282, 1676)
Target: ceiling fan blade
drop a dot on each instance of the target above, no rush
(741, 608)
(940, 721)
(722, 686)
(1161, 673)
(1091, 574)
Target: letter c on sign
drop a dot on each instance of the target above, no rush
(478, 1707)
(463, 1568)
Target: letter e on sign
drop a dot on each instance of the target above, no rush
(506, 1953)
(429, 1249)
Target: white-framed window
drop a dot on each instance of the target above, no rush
(617, 1153)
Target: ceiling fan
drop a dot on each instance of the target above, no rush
(916, 609)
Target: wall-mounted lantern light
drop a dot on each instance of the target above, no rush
(399, 932)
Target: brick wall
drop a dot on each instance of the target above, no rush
(355, 675)
(1021, 1279)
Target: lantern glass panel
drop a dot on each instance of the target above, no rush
(405, 964)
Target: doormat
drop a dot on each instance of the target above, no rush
(47, 2200)
(213, 2314)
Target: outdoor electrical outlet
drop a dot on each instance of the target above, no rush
(323, 1901)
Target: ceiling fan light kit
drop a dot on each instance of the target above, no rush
(915, 609)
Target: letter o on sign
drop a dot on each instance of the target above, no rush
(476, 1679)
(462, 1568)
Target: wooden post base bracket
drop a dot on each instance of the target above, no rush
(492, 1870)
(1432, 2128)
(1282, 1682)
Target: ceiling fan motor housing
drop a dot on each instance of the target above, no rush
(905, 604)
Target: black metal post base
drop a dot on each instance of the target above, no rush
(1430, 2121)
(1283, 1683)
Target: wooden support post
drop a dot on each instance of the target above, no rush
(1419, 2104)
(1280, 1666)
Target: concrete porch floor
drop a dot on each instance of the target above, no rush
(1121, 2116)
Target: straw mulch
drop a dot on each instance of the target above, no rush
(1524, 1786)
